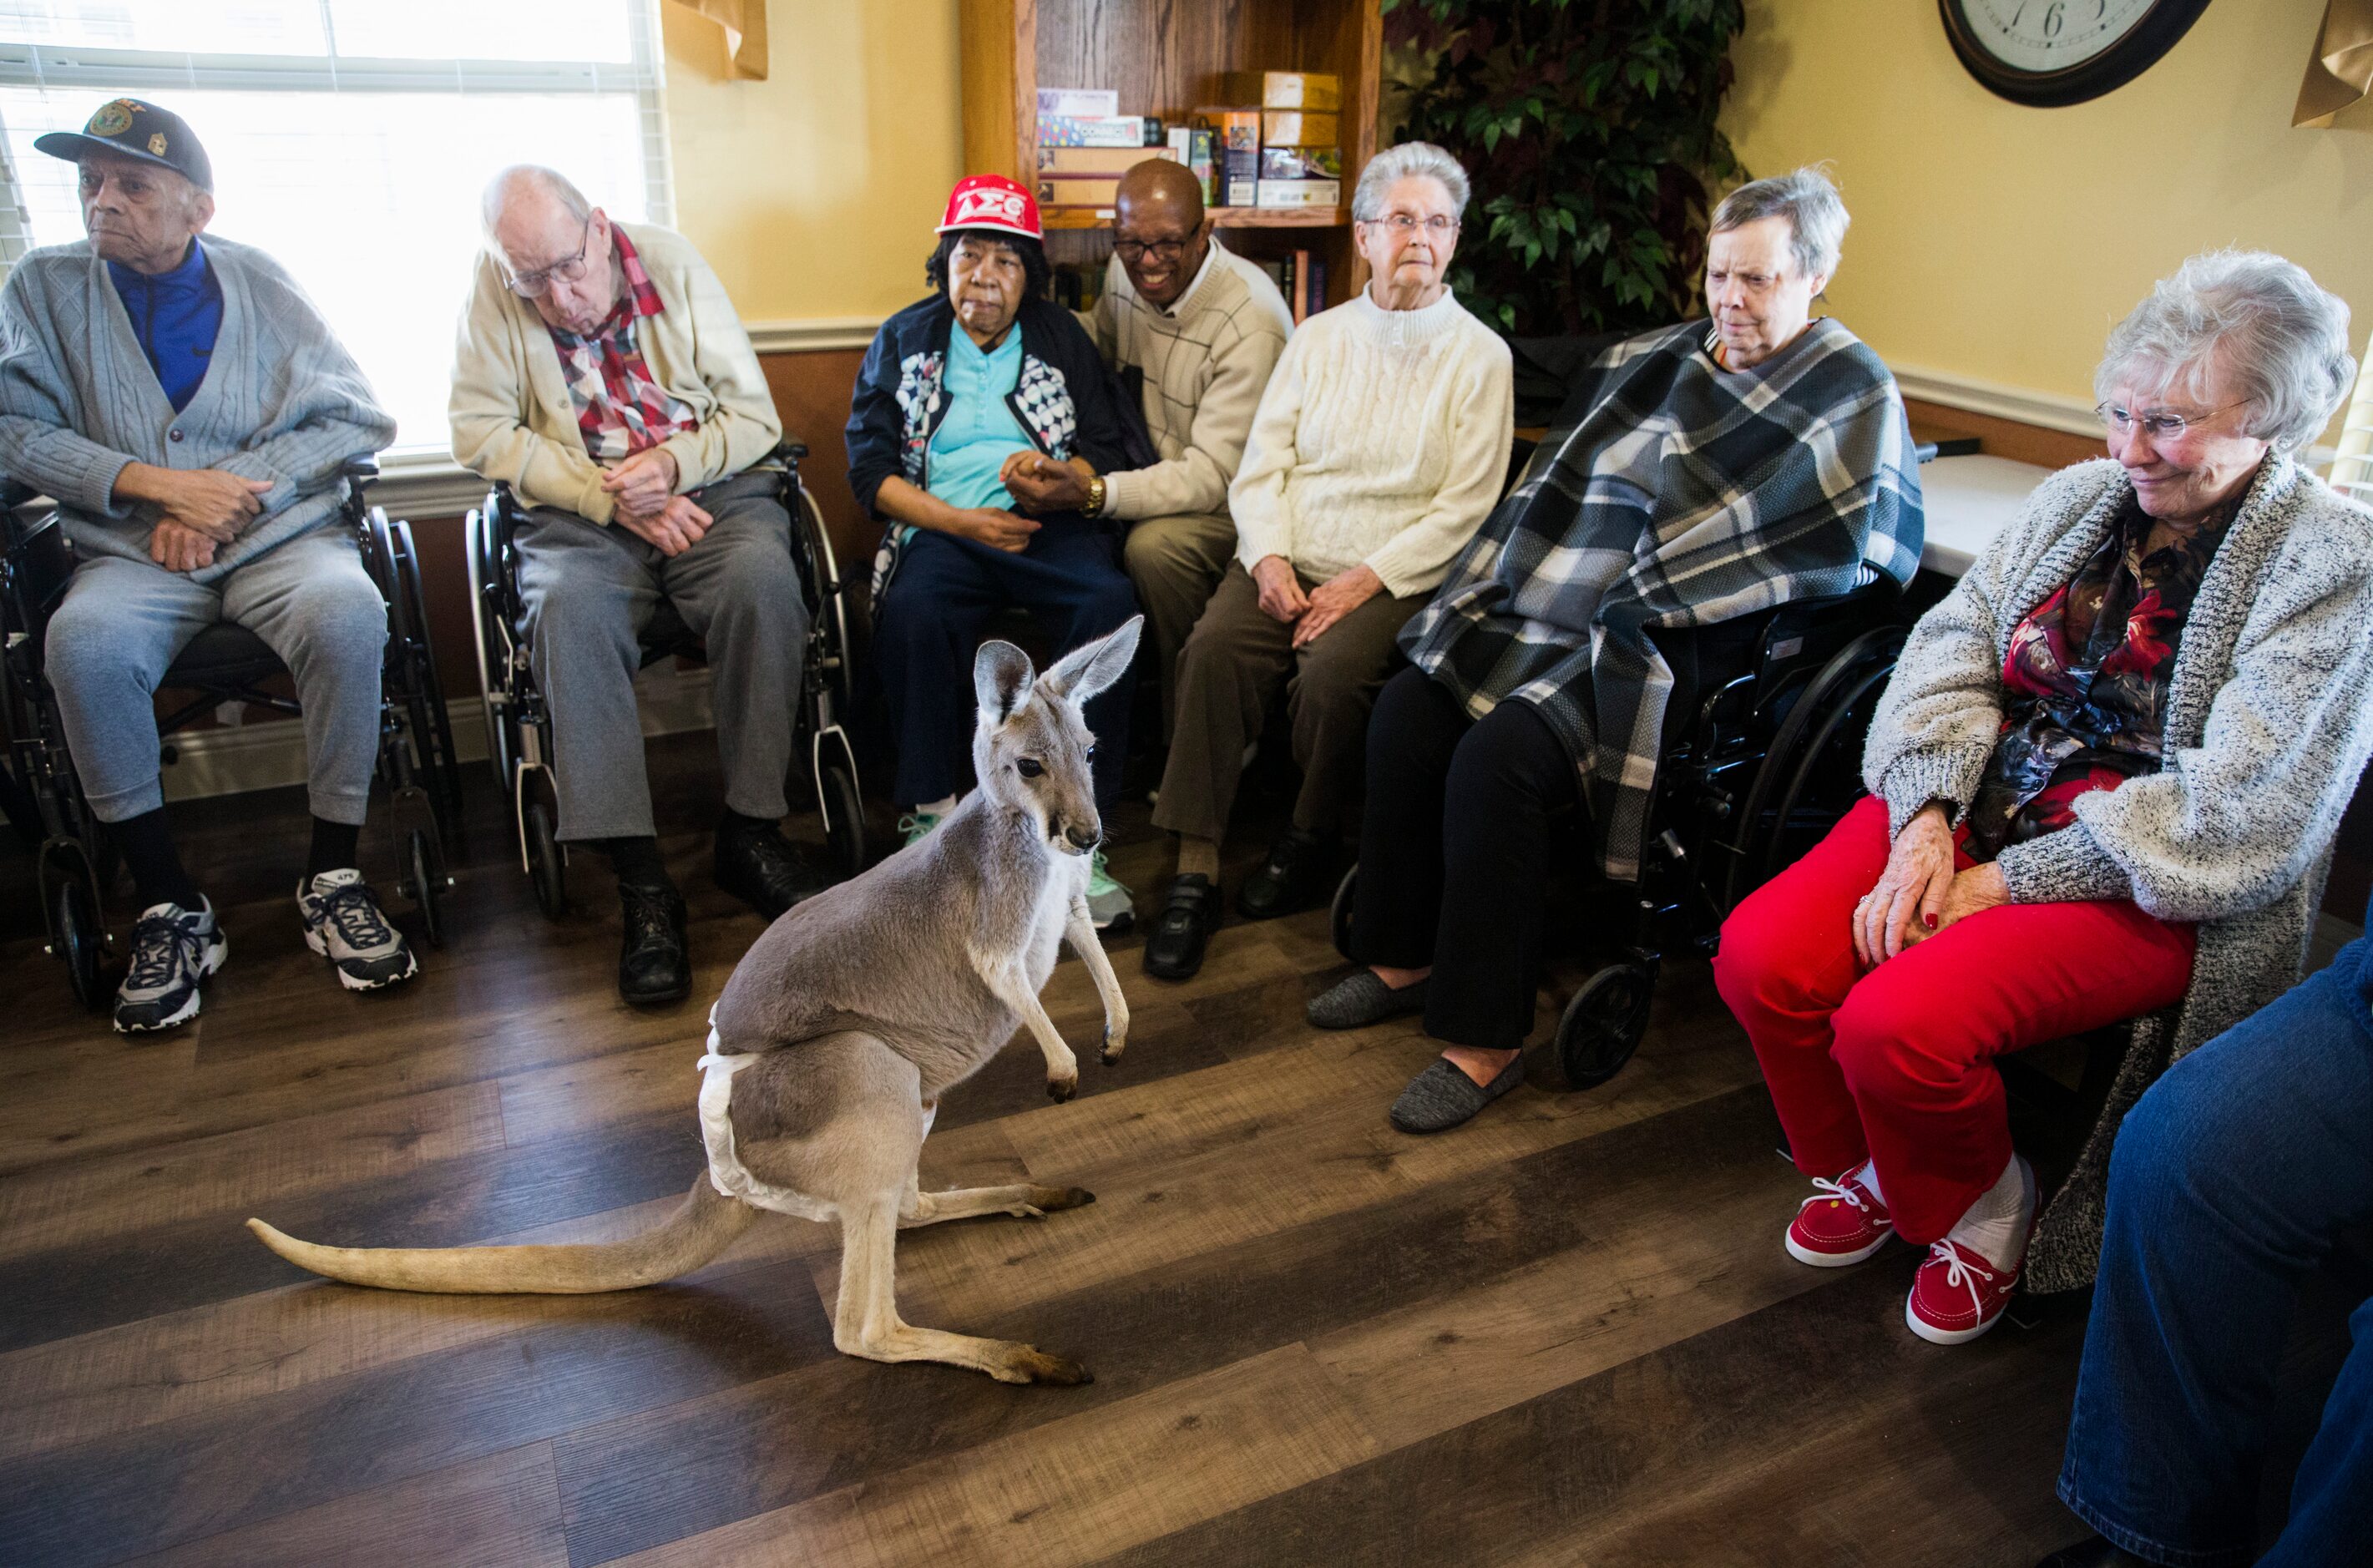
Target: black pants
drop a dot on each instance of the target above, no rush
(1455, 854)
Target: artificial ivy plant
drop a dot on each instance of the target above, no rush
(1588, 130)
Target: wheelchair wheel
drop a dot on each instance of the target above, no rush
(831, 607)
(843, 814)
(1777, 822)
(425, 711)
(1603, 1025)
(1339, 917)
(1825, 782)
(424, 884)
(489, 639)
(544, 866)
(77, 940)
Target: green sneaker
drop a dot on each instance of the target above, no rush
(916, 826)
(1108, 902)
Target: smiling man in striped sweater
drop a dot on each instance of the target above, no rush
(1204, 328)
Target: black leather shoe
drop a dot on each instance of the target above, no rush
(761, 869)
(655, 959)
(1298, 874)
(1174, 948)
(2094, 1553)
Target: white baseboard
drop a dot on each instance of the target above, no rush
(271, 754)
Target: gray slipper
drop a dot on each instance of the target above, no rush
(1360, 1000)
(1443, 1096)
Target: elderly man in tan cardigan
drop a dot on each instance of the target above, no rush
(602, 374)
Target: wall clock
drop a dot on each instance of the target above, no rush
(2050, 53)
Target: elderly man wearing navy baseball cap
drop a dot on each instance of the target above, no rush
(190, 411)
(981, 379)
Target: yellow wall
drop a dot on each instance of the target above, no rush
(2000, 242)
(813, 192)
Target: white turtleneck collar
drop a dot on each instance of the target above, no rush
(1406, 326)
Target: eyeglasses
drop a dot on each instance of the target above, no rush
(2159, 427)
(536, 284)
(1401, 223)
(1159, 250)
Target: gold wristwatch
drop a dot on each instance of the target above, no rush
(1097, 496)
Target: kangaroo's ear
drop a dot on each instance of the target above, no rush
(1090, 667)
(1001, 677)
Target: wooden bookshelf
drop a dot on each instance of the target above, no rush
(1164, 57)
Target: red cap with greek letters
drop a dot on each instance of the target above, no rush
(994, 202)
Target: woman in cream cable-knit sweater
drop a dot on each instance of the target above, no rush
(1379, 449)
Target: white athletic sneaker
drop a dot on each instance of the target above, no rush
(343, 923)
(172, 950)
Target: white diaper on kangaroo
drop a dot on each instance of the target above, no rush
(726, 1172)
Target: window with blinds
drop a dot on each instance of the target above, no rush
(350, 138)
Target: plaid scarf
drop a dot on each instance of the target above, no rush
(1670, 493)
(620, 409)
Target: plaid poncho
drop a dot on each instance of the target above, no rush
(1671, 493)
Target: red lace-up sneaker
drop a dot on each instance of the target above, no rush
(1960, 1293)
(1842, 1223)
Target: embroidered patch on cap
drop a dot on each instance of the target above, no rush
(112, 120)
(157, 144)
(991, 206)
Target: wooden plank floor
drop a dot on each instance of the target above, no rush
(1566, 1333)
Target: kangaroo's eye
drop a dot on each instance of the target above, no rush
(1092, 754)
(1030, 767)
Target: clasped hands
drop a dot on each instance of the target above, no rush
(1310, 614)
(644, 502)
(200, 509)
(1038, 484)
(1919, 895)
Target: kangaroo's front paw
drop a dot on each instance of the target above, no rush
(1061, 1089)
(1114, 1044)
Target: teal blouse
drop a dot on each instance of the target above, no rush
(979, 432)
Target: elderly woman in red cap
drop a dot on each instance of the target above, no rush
(959, 389)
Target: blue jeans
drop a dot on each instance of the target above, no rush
(2229, 1180)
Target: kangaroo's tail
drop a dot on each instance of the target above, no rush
(705, 1223)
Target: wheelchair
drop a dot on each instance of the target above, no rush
(225, 662)
(1760, 758)
(518, 720)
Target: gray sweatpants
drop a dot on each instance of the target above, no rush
(123, 622)
(590, 589)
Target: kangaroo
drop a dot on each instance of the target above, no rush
(842, 1026)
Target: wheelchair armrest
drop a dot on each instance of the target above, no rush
(24, 514)
(358, 470)
(1952, 446)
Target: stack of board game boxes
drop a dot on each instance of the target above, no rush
(1085, 144)
(1297, 132)
(1277, 142)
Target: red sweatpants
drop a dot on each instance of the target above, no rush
(1896, 1063)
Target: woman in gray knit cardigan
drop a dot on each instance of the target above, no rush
(2104, 783)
